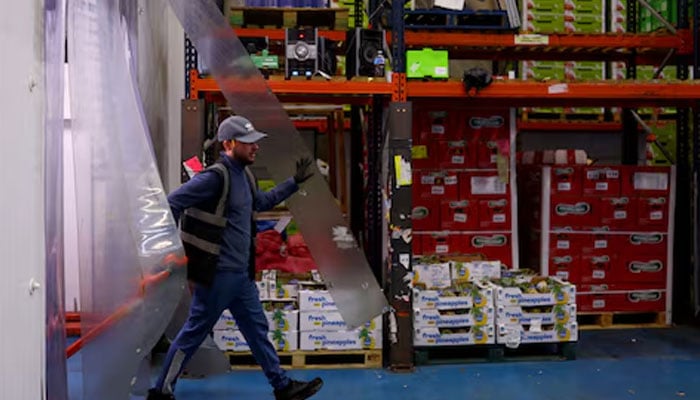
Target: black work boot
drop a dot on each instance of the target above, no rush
(297, 390)
(155, 394)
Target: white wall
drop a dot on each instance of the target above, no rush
(22, 253)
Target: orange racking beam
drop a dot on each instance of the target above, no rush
(590, 93)
(556, 43)
(340, 87)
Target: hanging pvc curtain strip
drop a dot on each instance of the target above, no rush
(54, 56)
(340, 261)
(125, 229)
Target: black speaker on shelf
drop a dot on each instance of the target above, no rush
(362, 47)
(327, 60)
(301, 52)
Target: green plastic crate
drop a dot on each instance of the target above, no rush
(427, 63)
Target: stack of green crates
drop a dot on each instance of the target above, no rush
(668, 10)
(646, 73)
(563, 16)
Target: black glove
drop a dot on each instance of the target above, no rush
(304, 171)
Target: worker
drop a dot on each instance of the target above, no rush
(221, 262)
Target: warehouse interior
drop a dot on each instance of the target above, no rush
(504, 199)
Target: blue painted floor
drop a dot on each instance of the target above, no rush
(653, 364)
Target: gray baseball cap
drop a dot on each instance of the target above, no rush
(239, 129)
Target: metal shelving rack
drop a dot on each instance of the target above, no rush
(634, 48)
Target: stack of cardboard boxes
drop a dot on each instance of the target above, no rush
(302, 316)
(462, 197)
(606, 229)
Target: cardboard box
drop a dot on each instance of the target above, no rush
(478, 5)
(476, 296)
(560, 314)
(316, 300)
(459, 215)
(233, 340)
(477, 316)
(432, 276)
(285, 291)
(544, 6)
(514, 296)
(341, 340)
(310, 321)
(281, 320)
(439, 337)
(474, 271)
(547, 334)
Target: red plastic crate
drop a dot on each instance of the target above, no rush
(482, 184)
(652, 212)
(460, 215)
(456, 154)
(425, 215)
(439, 185)
(494, 214)
(645, 181)
(618, 213)
(566, 266)
(567, 180)
(573, 212)
(620, 298)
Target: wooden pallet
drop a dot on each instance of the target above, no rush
(319, 359)
(494, 353)
(621, 320)
(263, 17)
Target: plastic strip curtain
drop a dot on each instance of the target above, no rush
(54, 54)
(341, 262)
(127, 237)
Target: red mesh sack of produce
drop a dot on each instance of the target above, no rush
(268, 242)
(297, 247)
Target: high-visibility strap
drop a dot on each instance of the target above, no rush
(223, 171)
(200, 243)
(207, 217)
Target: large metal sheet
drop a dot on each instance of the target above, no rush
(340, 261)
(54, 56)
(125, 229)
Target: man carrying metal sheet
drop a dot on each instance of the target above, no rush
(218, 232)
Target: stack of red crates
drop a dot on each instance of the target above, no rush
(461, 205)
(606, 229)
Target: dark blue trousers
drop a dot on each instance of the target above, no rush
(237, 292)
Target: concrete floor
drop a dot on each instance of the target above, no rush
(652, 364)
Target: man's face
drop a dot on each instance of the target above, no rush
(245, 152)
